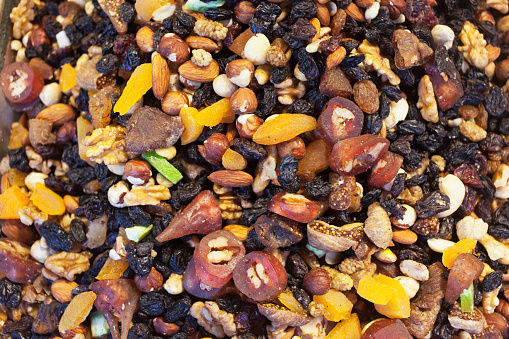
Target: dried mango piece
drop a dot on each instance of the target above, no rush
(137, 85)
(47, 201)
(113, 269)
(77, 311)
(215, 113)
(283, 127)
(145, 8)
(11, 202)
(192, 129)
(67, 77)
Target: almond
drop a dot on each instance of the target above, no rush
(405, 236)
(228, 178)
(322, 14)
(145, 39)
(61, 290)
(172, 102)
(195, 73)
(160, 76)
(355, 12)
(15, 230)
(335, 58)
(200, 42)
(174, 48)
(59, 114)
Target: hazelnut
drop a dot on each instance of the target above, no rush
(145, 39)
(172, 102)
(61, 290)
(223, 87)
(240, 72)
(295, 146)
(137, 172)
(317, 281)
(247, 125)
(243, 101)
(152, 282)
(213, 148)
(174, 48)
(164, 328)
(244, 11)
(502, 70)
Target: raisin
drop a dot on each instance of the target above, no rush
(307, 64)
(392, 206)
(127, 12)
(62, 185)
(373, 124)
(252, 243)
(296, 266)
(303, 29)
(51, 26)
(398, 185)
(279, 74)
(356, 73)
(229, 302)
(267, 99)
(81, 175)
(492, 281)
(250, 150)
(182, 23)
(184, 194)
(19, 160)
(370, 197)
(77, 229)
(250, 215)
(153, 304)
(10, 293)
(56, 237)
(318, 189)
(431, 204)
(92, 206)
(139, 257)
(130, 59)
(179, 259)
(301, 106)
(178, 310)
(352, 61)
(139, 331)
(139, 216)
(107, 63)
(287, 174)
(303, 9)
(83, 22)
(74, 34)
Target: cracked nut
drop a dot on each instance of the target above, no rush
(173, 102)
(137, 172)
(240, 72)
(243, 101)
(214, 148)
(248, 124)
(174, 48)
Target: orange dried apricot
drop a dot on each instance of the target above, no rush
(67, 77)
(16, 177)
(47, 201)
(19, 136)
(451, 253)
(283, 127)
(137, 85)
(77, 311)
(337, 305)
(11, 202)
(113, 269)
(347, 329)
(83, 127)
(233, 160)
(192, 129)
(215, 113)
(387, 294)
(145, 8)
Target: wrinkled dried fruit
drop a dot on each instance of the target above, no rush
(277, 231)
(283, 127)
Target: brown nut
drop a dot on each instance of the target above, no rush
(62, 289)
(70, 203)
(248, 124)
(317, 281)
(243, 101)
(201, 42)
(174, 48)
(67, 132)
(244, 11)
(16, 230)
(364, 3)
(355, 12)
(173, 102)
(396, 7)
(295, 146)
(39, 38)
(137, 172)
(213, 148)
(145, 39)
(160, 76)
(502, 70)
(79, 331)
(484, 15)
(164, 328)
(323, 14)
(59, 114)
(152, 282)
(240, 72)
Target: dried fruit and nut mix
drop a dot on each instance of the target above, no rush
(256, 169)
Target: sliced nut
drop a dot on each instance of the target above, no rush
(59, 114)
(240, 72)
(243, 101)
(173, 102)
(137, 172)
(228, 178)
(145, 39)
(61, 290)
(414, 269)
(200, 42)
(174, 48)
(247, 125)
(160, 76)
(198, 74)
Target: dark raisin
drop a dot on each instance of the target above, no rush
(218, 14)
(385, 108)
(79, 289)
(51, 26)
(248, 318)
(107, 63)
(357, 73)
(303, 9)
(398, 185)
(18, 159)
(414, 252)
(62, 185)
(307, 64)
(178, 310)
(301, 106)
(182, 23)
(179, 259)
(370, 197)
(201, 95)
(267, 99)
(57, 238)
(392, 206)
(78, 230)
(250, 150)
(81, 175)
(496, 101)
(372, 123)
(229, 302)
(10, 293)
(83, 22)
(139, 331)
(154, 304)
(431, 204)
(411, 127)
(492, 281)
(287, 174)
(139, 216)
(252, 243)
(318, 189)
(301, 296)
(73, 33)
(139, 257)
(352, 61)
(130, 59)
(279, 74)
(302, 29)
(184, 194)
(127, 12)
(296, 266)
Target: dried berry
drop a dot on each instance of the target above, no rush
(431, 204)
(19, 160)
(107, 63)
(139, 257)
(287, 174)
(56, 237)
(10, 293)
(78, 230)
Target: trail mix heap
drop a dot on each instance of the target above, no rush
(256, 169)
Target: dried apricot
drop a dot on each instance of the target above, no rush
(11, 202)
(337, 305)
(67, 77)
(215, 113)
(137, 85)
(16, 177)
(283, 127)
(113, 269)
(19, 136)
(347, 329)
(47, 201)
(192, 129)
(145, 8)
(387, 294)
(451, 253)
(77, 311)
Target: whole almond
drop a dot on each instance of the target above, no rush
(160, 76)
(62, 289)
(335, 58)
(228, 178)
(404, 236)
(200, 42)
(199, 74)
(173, 102)
(355, 12)
(15, 230)
(322, 14)
(59, 114)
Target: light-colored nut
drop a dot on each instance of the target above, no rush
(404, 236)
(40, 250)
(472, 131)
(256, 49)
(495, 249)
(163, 12)
(223, 86)
(175, 284)
(61, 290)
(70, 204)
(167, 152)
(378, 226)
(247, 125)
(68, 264)
(474, 46)
(427, 102)
(262, 74)
(399, 111)
(145, 39)
(410, 285)
(439, 245)
(201, 57)
(386, 256)
(173, 102)
(50, 94)
(414, 269)
(240, 72)
(59, 114)
(408, 218)
(117, 169)
(137, 172)
(243, 101)
(453, 187)
(372, 11)
(174, 48)
(33, 178)
(501, 181)
(116, 194)
(471, 228)
(244, 11)
(189, 84)
(442, 35)
(200, 42)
